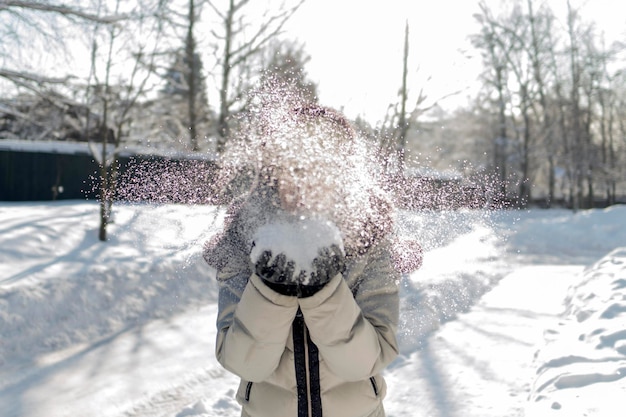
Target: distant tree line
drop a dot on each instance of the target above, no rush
(554, 98)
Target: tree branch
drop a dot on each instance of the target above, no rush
(61, 9)
(38, 79)
(254, 45)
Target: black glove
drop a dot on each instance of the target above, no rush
(278, 273)
(329, 262)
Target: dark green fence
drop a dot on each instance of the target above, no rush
(38, 176)
(35, 175)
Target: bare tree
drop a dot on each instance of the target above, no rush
(403, 122)
(580, 113)
(111, 104)
(36, 24)
(192, 82)
(513, 42)
(401, 117)
(607, 98)
(70, 12)
(541, 50)
(551, 87)
(238, 41)
(496, 77)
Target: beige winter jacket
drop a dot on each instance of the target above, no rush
(315, 356)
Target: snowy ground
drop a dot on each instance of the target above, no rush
(513, 313)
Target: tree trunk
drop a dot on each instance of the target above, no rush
(104, 183)
(576, 156)
(501, 140)
(525, 185)
(403, 123)
(222, 121)
(538, 73)
(190, 51)
(551, 181)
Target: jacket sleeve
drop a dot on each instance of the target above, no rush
(356, 334)
(253, 323)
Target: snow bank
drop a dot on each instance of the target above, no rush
(581, 370)
(560, 236)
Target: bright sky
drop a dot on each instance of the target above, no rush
(356, 48)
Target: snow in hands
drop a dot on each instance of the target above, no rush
(299, 239)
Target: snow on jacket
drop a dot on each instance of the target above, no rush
(321, 355)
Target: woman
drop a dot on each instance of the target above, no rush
(313, 339)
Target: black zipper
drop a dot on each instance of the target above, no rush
(248, 389)
(306, 360)
(314, 378)
(299, 359)
(374, 385)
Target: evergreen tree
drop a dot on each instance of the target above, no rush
(286, 61)
(185, 116)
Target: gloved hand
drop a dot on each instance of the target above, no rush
(329, 262)
(279, 273)
(297, 256)
(278, 270)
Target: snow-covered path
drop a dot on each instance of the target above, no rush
(481, 364)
